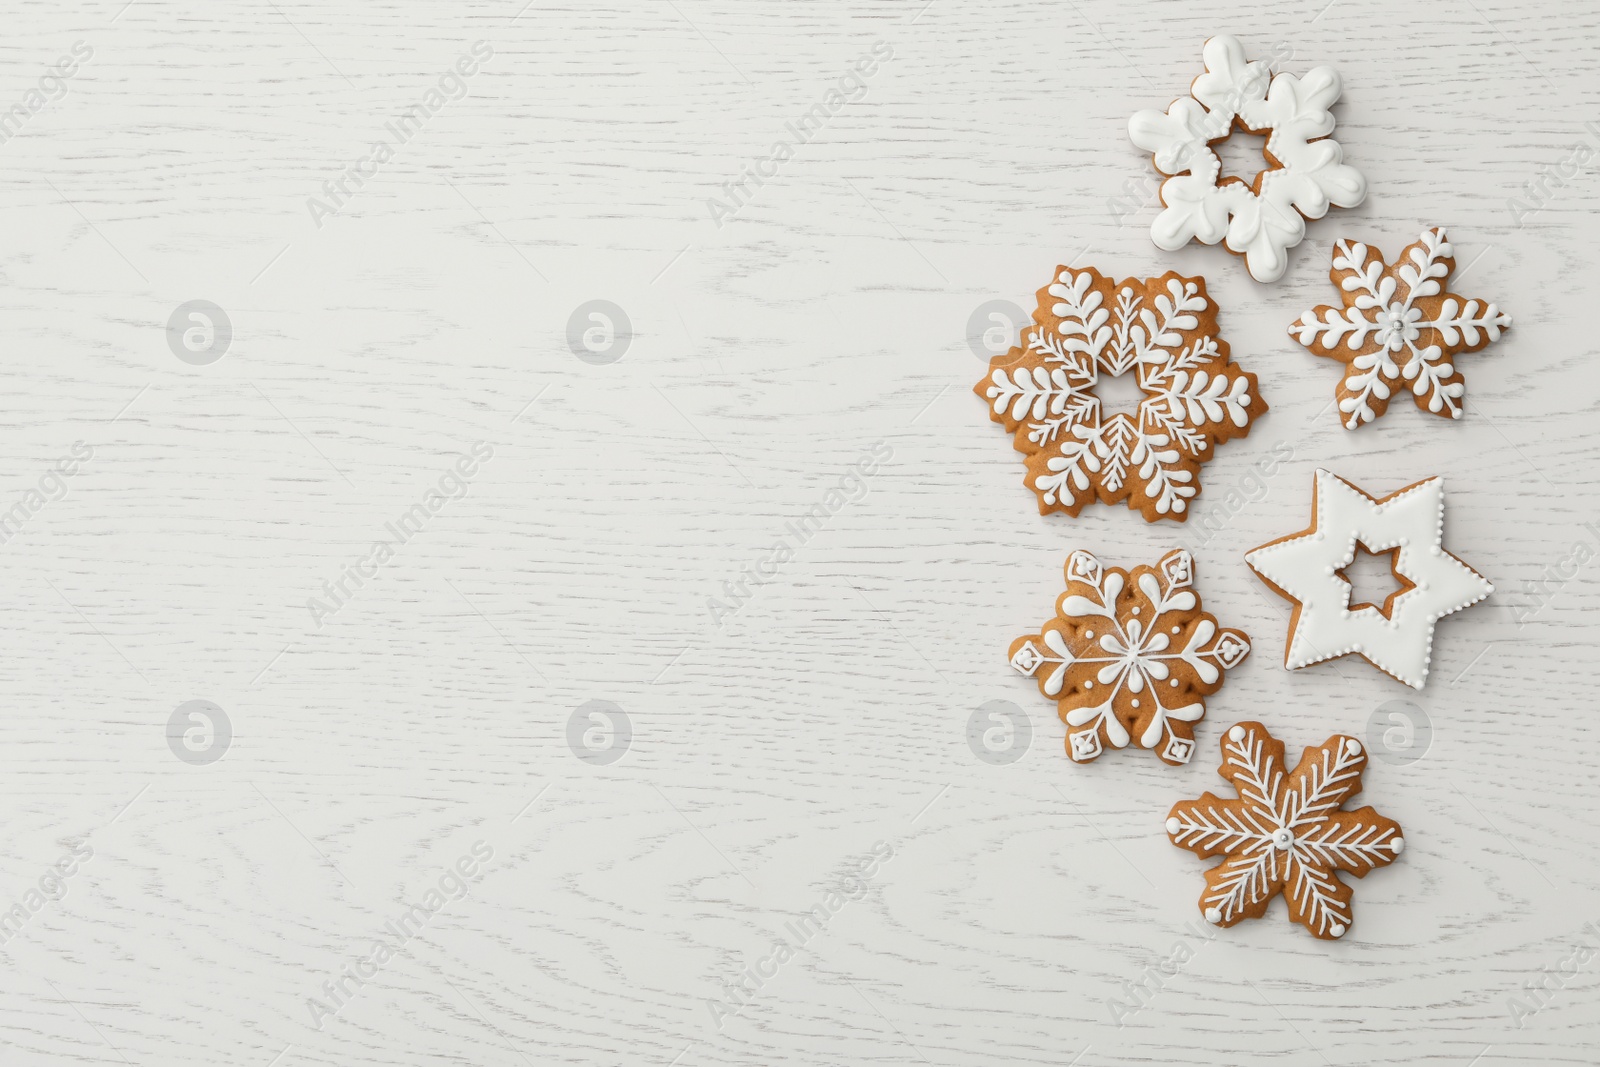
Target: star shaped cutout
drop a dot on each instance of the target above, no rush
(1399, 329)
(1397, 637)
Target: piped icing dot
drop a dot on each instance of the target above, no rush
(1337, 929)
(1283, 839)
(1352, 746)
(1236, 734)
(1396, 845)
(1213, 915)
(1173, 825)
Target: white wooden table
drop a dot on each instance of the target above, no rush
(371, 748)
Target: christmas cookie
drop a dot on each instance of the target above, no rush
(1305, 169)
(1286, 832)
(1398, 328)
(1307, 569)
(1130, 657)
(1088, 327)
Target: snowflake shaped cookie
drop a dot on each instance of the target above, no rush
(1130, 657)
(1285, 833)
(1306, 568)
(1398, 328)
(1306, 172)
(1087, 327)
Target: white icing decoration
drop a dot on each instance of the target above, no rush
(1194, 396)
(1388, 338)
(1138, 656)
(1402, 643)
(1286, 832)
(1295, 113)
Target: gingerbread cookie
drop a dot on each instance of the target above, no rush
(1087, 326)
(1286, 833)
(1306, 568)
(1130, 657)
(1305, 170)
(1398, 328)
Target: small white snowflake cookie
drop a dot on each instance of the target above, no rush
(1305, 171)
(1286, 833)
(1087, 327)
(1307, 568)
(1398, 329)
(1130, 657)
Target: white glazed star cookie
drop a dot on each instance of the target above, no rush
(1397, 636)
(1306, 172)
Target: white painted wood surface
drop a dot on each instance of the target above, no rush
(831, 710)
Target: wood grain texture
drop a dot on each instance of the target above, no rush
(830, 711)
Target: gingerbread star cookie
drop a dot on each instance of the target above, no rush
(1163, 332)
(1286, 833)
(1130, 658)
(1398, 329)
(1306, 568)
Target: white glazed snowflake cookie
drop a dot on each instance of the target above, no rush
(1163, 331)
(1398, 328)
(1307, 568)
(1305, 170)
(1130, 658)
(1286, 833)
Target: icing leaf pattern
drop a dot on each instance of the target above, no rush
(1163, 331)
(1130, 657)
(1285, 833)
(1398, 329)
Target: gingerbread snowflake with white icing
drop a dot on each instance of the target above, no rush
(1286, 833)
(1130, 658)
(1088, 327)
(1307, 568)
(1305, 172)
(1398, 329)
